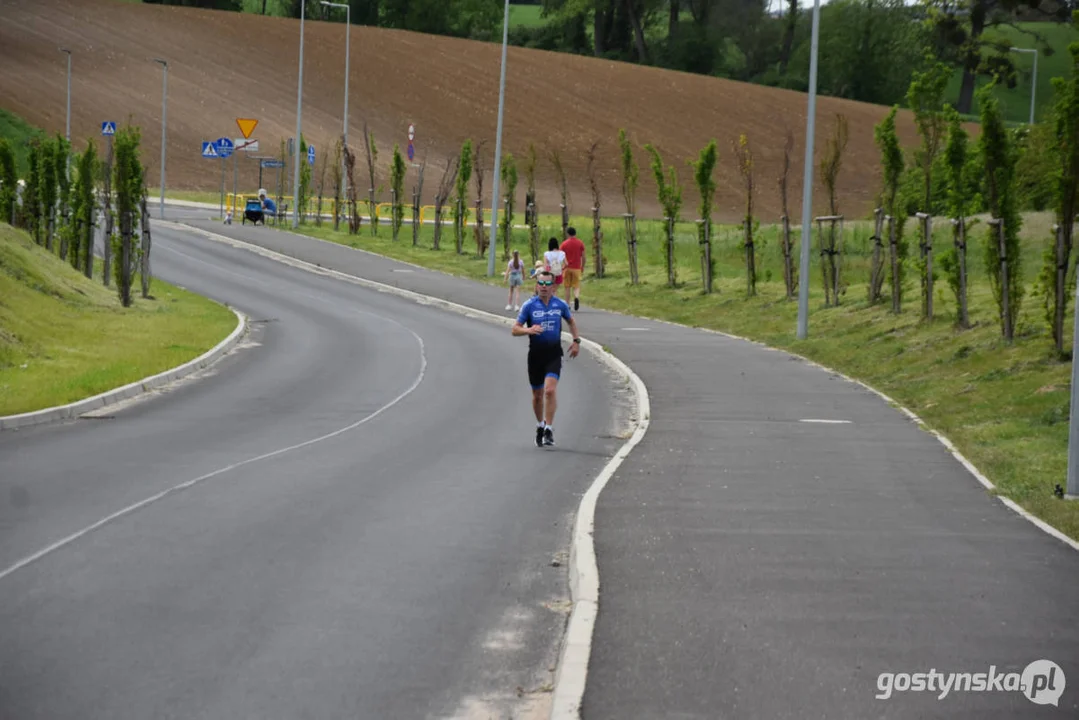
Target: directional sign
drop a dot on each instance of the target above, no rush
(247, 126)
(411, 152)
(208, 150)
(310, 154)
(108, 128)
(246, 145)
(411, 132)
(224, 147)
(272, 164)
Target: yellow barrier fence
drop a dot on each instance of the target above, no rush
(383, 211)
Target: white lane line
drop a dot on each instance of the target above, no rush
(822, 420)
(190, 483)
(572, 672)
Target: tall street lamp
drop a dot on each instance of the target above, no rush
(348, 34)
(164, 113)
(807, 182)
(296, 145)
(498, 145)
(1033, 78)
(67, 131)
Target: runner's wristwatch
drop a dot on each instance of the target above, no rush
(577, 340)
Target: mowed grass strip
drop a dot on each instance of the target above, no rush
(1005, 407)
(64, 337)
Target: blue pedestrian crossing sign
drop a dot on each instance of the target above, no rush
(310, 154)
(208, 150)
(411, 151)
(224, 147)
(108, 128)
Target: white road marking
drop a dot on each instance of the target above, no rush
(822, 420)
(190, 483)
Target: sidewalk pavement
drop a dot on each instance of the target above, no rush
(756, 565)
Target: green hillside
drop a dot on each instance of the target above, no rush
(64, 337)
(1015, 102)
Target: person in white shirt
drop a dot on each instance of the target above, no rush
(555, 260)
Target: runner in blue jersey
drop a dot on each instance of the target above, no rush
(541, 319)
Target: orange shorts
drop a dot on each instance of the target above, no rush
(573, 278)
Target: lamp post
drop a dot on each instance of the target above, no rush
(67, 130)
(296, 145)
(807, 182)
(164, 114)
(1033, 77)
(498, 145)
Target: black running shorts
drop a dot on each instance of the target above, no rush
(543, 361)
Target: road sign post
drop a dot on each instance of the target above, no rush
(224, 147)
(247, 126)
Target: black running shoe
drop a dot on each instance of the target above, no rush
(548, 436)
(576, 304)
(539, 436)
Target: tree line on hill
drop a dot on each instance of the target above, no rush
(66, 197)
(868, 48)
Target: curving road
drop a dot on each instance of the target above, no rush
(343, 518)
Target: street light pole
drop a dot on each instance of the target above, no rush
(498, 146)
(296, 149)
(164, 114)
(348, 35)
(807, 182)
(1033, 78)
(67, 131)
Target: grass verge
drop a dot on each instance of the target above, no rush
(1005, 407)
(64, 337)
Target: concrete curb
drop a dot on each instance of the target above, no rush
(110, 397)
(576, 650)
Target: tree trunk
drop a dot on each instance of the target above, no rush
(961, 259)
(972, 59)
(597, 243)
(894, 253)
(788, 36)
(436, 244)
(144, 271)
(751, 260)
(788, 268)
(638, 33)
(672, 21)
(601, 26)
(877, 270)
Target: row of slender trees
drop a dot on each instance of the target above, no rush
(66, 197)
(944, 174)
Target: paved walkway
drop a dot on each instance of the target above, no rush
(754, 565)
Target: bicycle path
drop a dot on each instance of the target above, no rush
(756, 563)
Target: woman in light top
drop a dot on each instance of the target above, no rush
(555, 260)
(515, 273)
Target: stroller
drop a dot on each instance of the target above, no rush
(253, 212)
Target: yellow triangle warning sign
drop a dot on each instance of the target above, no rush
(247, 126)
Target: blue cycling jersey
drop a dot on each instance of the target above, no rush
(534, 312)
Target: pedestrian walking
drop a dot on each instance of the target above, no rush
(515, 274)
(541, 319)
(573, 249)
(555, 260)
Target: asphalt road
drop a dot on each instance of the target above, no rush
(757, 563)
(346, 518)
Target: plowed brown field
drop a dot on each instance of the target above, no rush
(226, 65)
